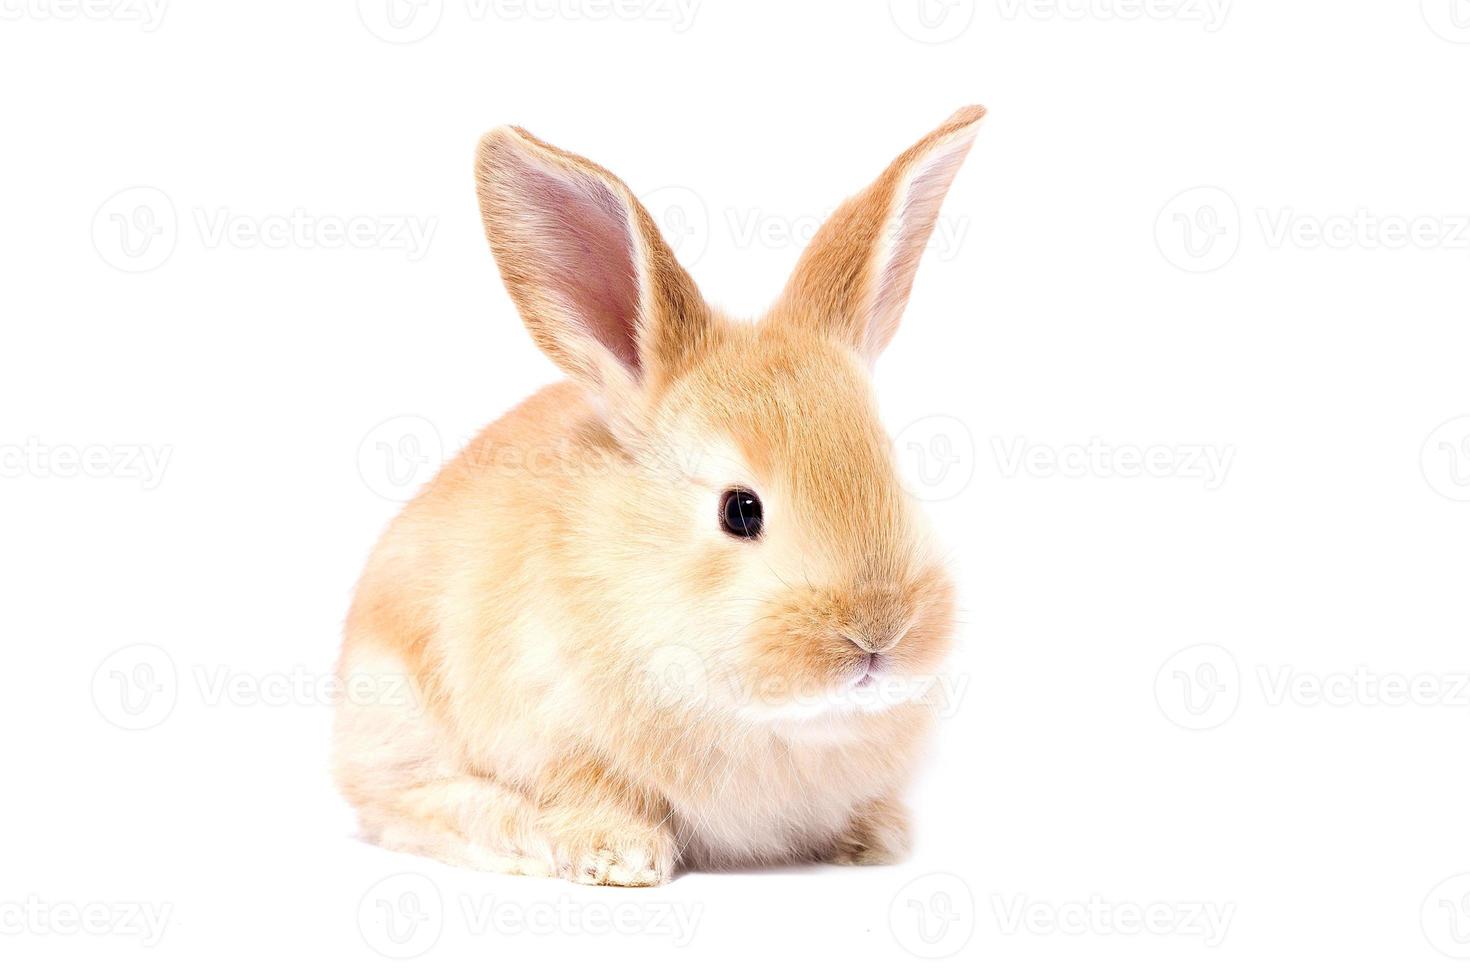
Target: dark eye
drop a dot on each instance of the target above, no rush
(740, 513)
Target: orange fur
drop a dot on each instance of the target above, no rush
(605, 685)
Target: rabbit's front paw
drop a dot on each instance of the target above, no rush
(629, 863)
(878, 834)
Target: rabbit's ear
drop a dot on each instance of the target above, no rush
(599, 289)
(854, 278)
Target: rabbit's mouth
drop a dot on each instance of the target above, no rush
(875, 661)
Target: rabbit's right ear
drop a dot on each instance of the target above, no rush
(597, 286)
(853, 279)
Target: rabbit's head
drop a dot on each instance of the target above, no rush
(761, 500)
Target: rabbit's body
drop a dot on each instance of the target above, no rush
(601, 680)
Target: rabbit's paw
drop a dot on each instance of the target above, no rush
(878, 834)
(637, 861)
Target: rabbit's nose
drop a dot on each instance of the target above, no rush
(877, 620)
(867, 644)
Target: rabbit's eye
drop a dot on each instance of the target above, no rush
(740, 513)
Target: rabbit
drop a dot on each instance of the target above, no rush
(676, 612)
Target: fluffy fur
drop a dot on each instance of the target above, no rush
(602, 684)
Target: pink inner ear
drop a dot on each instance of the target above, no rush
(585, 253)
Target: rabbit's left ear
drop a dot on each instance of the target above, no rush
(597, 286)
(854, 278)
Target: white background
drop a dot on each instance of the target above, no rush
(1272, 776)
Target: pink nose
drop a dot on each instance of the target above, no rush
(868, 645)
(875, 618)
